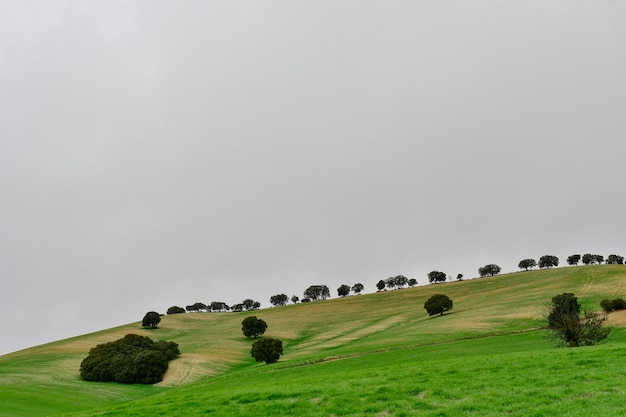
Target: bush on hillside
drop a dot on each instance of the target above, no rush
(267, 350)
(133, 359)
(175, 310)
(253, 327)
(438, 304)
(612, 305)
(570, 328)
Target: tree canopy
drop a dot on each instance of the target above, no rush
(279, 299)
(343, 290)
(570, 328)
(267, 350)
(436, 276)
(357, 288)
(573, 259)
(151, 319)
(548, 261)
(253, 327)
(491, 270)
(133, 359)
(438, 304)
(175, 310)
(527, 264)
(317, 292)
(615, 259)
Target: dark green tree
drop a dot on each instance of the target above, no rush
(253, 327)
(317, 292)
(527, 264)
(279, 299)
(572, 329)
(175, 310)
(218, 306)
(412, 282)
(436, 276)
(438, 304)
(573, 259)
(615, 259)
(151, 319)
(491, 270)
(343, 290)
(133, 359)
(390, 282)
(267, 350)
(459, 277)
(357, 288)
(548, 261)
(400, 281)
(295, 299)
(380, 285)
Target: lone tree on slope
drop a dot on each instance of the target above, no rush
(267, 350)
(491, 270)
(570, 328)
(253, 327)
(279, 299)
(573, 259)
(357, 288)
(151, 319)
(436, 276)
(343, 290)
(548, 261)
(438, 304)
(527, 264)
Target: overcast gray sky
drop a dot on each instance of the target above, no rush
(161, 153)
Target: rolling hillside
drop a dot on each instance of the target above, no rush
(378, 354)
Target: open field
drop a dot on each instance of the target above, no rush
(374, 354)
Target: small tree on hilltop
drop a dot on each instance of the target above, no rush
(279, 299)
(573, 259)
(317, 292)
(615, 260)
(267, 350)
(491, 270)
(570, 328)
(295, 299)
(357, 288)
(175, 310)
(527, 264)
(400, 281)
(436, 276)
(151, 319)
(253, 327)
(412, 282)
(438, 304)
(343, 290)
(548, 261)
(380, 285)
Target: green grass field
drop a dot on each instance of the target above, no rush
(375, 354)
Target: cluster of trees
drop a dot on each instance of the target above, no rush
(591, 259)
(266, 350)
(344, 290)
(216, 306)
(316, 293)
(133, 359)
(572, 329)
(399, 282)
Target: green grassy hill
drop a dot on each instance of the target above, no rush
(373, 354)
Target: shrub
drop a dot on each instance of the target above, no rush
(133, 359)
(569, 328)
(612, 305)
(267, 350)
(175, 310)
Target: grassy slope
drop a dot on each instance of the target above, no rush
(394, 358)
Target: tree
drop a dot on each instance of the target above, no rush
(237, 308)
(573, 259)
(151, 319)
(196, 307)
(459, 277)
(267, 350)
(412, 282)
(295, 299)
(527, 264)
(615, 260)
(357, 288)
(253, 327)
(380, 285)
(599, 258)
(570, 328)
(548, 261)
(438, 304)
(219, 306)
(390, 282)
(317, 292)
(589, 259)
(175, 310)
(130, 360)
(343, 290)
(400, 281)
(612, 305)
(279, 299)
(436, 276)
(491, 270)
